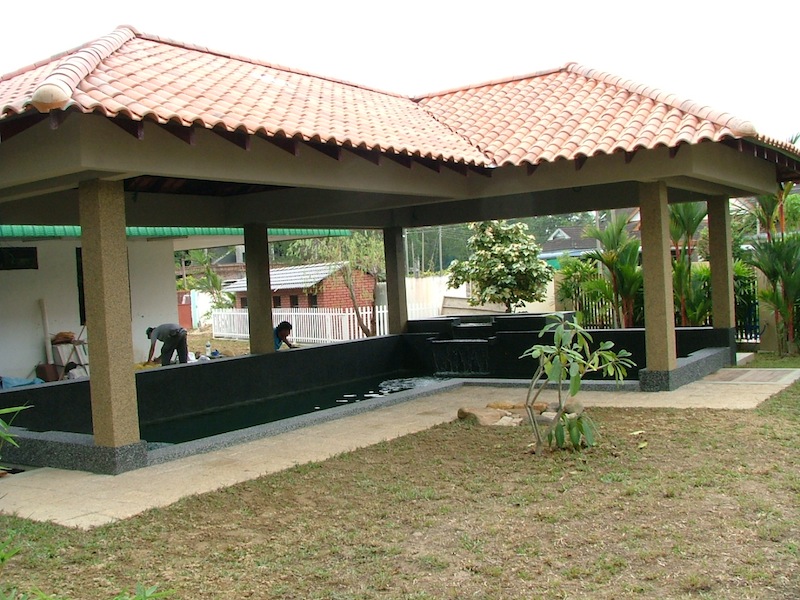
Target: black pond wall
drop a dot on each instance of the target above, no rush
(171, 392)
(511, 335)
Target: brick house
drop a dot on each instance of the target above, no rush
(310, 286)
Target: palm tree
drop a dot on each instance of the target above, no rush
(619, 254)
(684, 221)
(778, 261)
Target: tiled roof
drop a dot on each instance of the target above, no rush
(567, 113)
(291, 278)
(574, 111)
(144, 77)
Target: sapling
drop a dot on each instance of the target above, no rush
(566, 361)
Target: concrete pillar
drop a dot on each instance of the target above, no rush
(657, 271)
(723, 308)
(259, 291)
(112, 383)
(394, 252)
(768, 340)
(719, 238)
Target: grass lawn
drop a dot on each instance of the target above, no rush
(670, 504)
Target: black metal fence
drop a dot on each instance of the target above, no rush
(598, 313)
(748, 328)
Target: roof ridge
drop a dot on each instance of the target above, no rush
(466, 138)
(262, 63)
(739, 127)
(50, 59)
(330, 264)
(508, 79)
(55, 91)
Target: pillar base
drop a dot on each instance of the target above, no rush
(691, 368)
(74, 451)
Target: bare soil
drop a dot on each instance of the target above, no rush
(197, 339)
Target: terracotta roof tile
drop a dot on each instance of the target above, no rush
(551, 115)
(576, 111)
(146, 77)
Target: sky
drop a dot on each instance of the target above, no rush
(738, 60)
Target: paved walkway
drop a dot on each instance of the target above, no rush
(85, 500)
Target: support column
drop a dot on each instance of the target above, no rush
(115, 415)
(259, 291)
(719, 243)
(394, 252)
(658, 303)
(723, 299)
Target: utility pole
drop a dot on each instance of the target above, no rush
(440, 249)
(405, 248)
(422, 250)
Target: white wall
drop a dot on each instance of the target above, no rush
(22, 336)
(153, 296)
(431, 290)
(546, 306)
(22, 341)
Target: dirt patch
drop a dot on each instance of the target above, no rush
(197, 338)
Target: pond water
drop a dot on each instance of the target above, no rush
(269, 410)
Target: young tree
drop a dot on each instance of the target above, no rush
(504, 265)
(684, 221)
(778, 261)
(575, 274)
(363, 250)
(565, 362)
(209, 282)
(619, 254)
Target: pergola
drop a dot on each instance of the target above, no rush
(134, 130)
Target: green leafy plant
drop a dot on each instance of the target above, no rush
(7, 550)
(504, 266)
(6, 437)
(566, 361)
(140, 593)
(778, 260)
(144, 593)
(619, 256)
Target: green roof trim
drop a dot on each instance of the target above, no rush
(72, 231)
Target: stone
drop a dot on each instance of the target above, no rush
(539, 407)
(509, 421)
(506, 405)
(546, 417)
(489, 416)
(570, 406)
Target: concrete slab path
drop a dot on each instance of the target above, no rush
(85, 500)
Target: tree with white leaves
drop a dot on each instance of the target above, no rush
(503, 267)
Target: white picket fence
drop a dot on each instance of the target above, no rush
(314, 325)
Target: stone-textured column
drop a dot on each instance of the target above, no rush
(719, 238)
(394, 252)
(657, 270)
(259, 291)
(112, 383)
(723, 307)
(768, 338)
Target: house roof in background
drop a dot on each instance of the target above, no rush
(36, 232)
(291, 278)
(569, 113)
